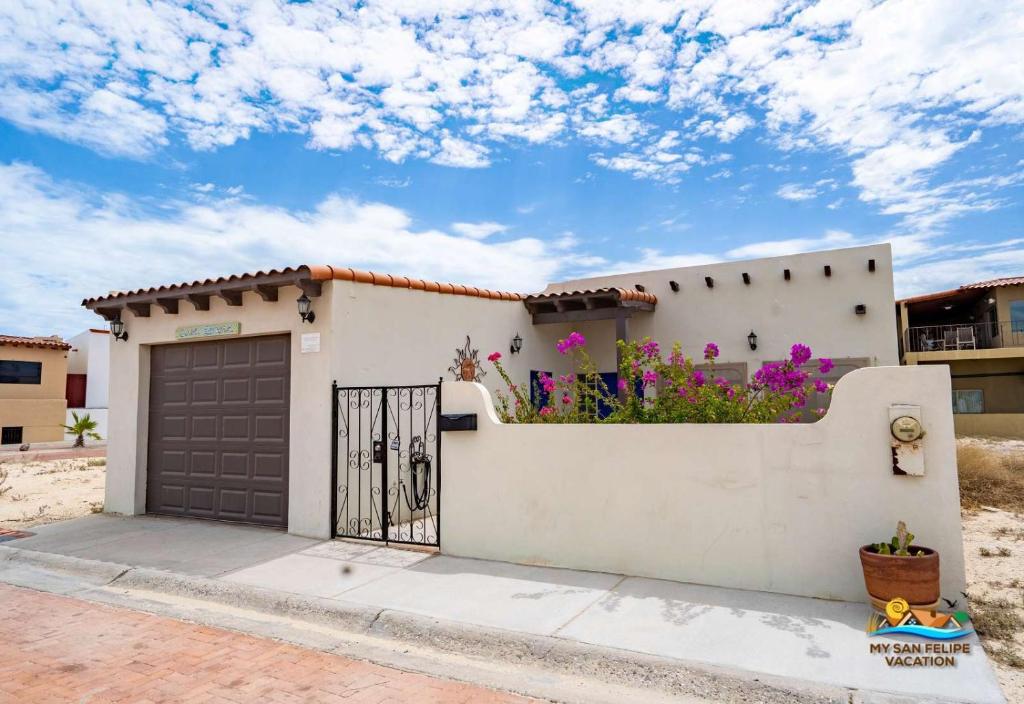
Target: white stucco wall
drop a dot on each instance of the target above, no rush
(309, 455)
(90, 355)
(809, 308)
(780, 508)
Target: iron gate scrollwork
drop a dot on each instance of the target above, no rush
(386, 466)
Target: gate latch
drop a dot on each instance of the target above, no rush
(378, 451)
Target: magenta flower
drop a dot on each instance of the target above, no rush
(566, 400)
(825, 365)
(622, 385)
(800, 354)
(722, 381)
(547, 410)
(820, 385)
(698, 378)
(570, 343)
(494, 356)
(547, 383)
(650, 378)
(650, 349)
(711, 351)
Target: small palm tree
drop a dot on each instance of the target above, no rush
(82, 427)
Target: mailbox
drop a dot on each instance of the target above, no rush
(458, 421)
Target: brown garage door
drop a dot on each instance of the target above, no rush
(218, 430)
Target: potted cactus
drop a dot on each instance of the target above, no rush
(898, 568)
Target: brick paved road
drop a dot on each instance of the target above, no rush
(60, 649)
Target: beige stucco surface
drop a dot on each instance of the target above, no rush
(810, 308)
(1001, 425)
(780, 508)
(37, 408)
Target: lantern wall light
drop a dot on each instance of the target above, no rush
(306, 309)
(752, 340)
(517, 344)
(117, 329)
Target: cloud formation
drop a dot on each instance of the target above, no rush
(899, 87)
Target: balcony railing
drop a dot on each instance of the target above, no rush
(964, 336)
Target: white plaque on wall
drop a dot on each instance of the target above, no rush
(310, 342)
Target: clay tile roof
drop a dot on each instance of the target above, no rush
(293, 275)
(50, 343)
(623, 294)
(996, 283)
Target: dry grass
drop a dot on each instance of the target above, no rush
(989, 477)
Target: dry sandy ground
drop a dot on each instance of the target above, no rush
(994, 552)
(43, 491)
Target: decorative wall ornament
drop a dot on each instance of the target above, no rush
(466, 365)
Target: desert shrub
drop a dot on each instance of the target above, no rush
(989, 477)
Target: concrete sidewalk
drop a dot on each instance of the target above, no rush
(807, 641)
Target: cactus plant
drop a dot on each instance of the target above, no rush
(900, 543)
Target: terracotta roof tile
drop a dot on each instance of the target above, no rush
(50, 343)
(996, 283)
(624, 294)
(939, 295)
(317, 273)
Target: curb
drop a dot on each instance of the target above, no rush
(552, 655)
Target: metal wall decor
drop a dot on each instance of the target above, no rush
(466, 365)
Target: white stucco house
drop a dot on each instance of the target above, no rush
(220, 401)
(88, 380)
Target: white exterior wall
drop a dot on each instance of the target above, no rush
(90, 355)
(779, 508)
(309, 456)
(810, 308)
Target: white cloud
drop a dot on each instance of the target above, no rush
(64, 243)
(796, 192)
(478, 230)
(833, 239)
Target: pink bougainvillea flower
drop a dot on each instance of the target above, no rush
(825, 365)
(711, 351)
(800, 354)
(820, 385)
(570, 343)
(566, 399)
(547, 410)
(650, 378)
(722, 381)
(494, 356)
(698, 378)
(622, 385)
(547, 383)
(650, 349)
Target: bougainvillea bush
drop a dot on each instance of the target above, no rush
(658, 388)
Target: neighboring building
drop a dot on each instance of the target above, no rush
(219, 397)
(89, 376)
(33, 373)
(978, 330)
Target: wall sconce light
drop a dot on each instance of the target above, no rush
(517, 344)
(860, 309)
(306, 309)
(674, 285)
(117, 329)
(752, 340)
(640, 287)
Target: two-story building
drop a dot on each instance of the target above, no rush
(978, 330)
(33, 373)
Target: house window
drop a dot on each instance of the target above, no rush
(1017, 316)
(13, 372)
(968, 401)
(11, 435)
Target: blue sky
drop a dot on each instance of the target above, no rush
(500, 143)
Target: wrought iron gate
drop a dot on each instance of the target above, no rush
(386, 466)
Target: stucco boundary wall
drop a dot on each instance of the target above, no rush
(777, 508)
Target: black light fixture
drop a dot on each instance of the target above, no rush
(860, 309)
(306, 309)
(674, 285)
(117, 329)
(517, 344)
(752, 340)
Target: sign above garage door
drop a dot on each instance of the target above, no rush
(192, 332)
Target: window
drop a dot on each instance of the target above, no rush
(11, 436)
(12, 372)
(1017, 316)
(968, 401)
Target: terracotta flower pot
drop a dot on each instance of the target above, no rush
(914, 578)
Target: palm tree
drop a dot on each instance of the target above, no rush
(81, 427)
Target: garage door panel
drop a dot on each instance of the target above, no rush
(219, 430)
